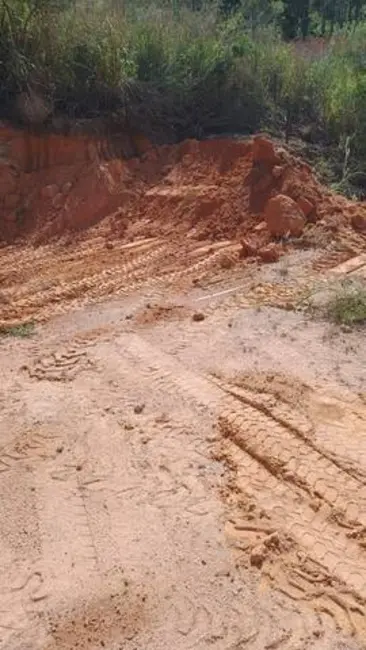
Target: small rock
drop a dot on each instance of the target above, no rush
(347, 329)
(315, 504)
(247, 249)
(260, 226)
(109, 245)
(272, 540)
(198, 317)
(258, 556)
(60, 449)
(138, 409)
(270, 254)
(226, 262)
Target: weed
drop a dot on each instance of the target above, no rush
(347, 305)
(21, 331)
(283, 271)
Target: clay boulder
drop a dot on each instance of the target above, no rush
(359, 222)
(264, 152)
(284, 217)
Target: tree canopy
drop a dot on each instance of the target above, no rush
(298, 17)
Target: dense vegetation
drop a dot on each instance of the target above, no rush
(193, 67)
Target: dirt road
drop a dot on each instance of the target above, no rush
(174, 482)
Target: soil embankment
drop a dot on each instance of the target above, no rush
(88, 205)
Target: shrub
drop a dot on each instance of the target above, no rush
(347, 305)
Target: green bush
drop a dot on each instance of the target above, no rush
(347, 306)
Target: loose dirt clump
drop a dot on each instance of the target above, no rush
(154, 313)
(198, 317)
(284, 217)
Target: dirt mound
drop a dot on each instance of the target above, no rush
(104, 221)
(215, 189)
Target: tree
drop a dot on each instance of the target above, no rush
(229, 6)
(291, 18)
(297, 15)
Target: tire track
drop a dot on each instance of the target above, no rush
(289, 452)
(209, 258)
(163, 373)
(99, 280)
(61, 365)
(284, 472)
(325, 568)
(119, 279)
(293, 512)
(322, 419)
(65, 527)
(339, 426)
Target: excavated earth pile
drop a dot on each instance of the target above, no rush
(80, 218)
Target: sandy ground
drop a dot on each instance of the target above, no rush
(174, 482)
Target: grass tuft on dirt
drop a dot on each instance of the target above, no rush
(347, 305)
(23, 331)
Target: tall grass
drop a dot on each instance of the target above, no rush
(208, 73)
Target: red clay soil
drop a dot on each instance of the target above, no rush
(208, 191)
(212, 189)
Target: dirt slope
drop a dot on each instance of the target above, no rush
(79, 227)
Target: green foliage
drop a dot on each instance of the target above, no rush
(215, 65)
(347, 306)
(22, 331)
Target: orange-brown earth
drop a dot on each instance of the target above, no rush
(77, 223)
(177, 468)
